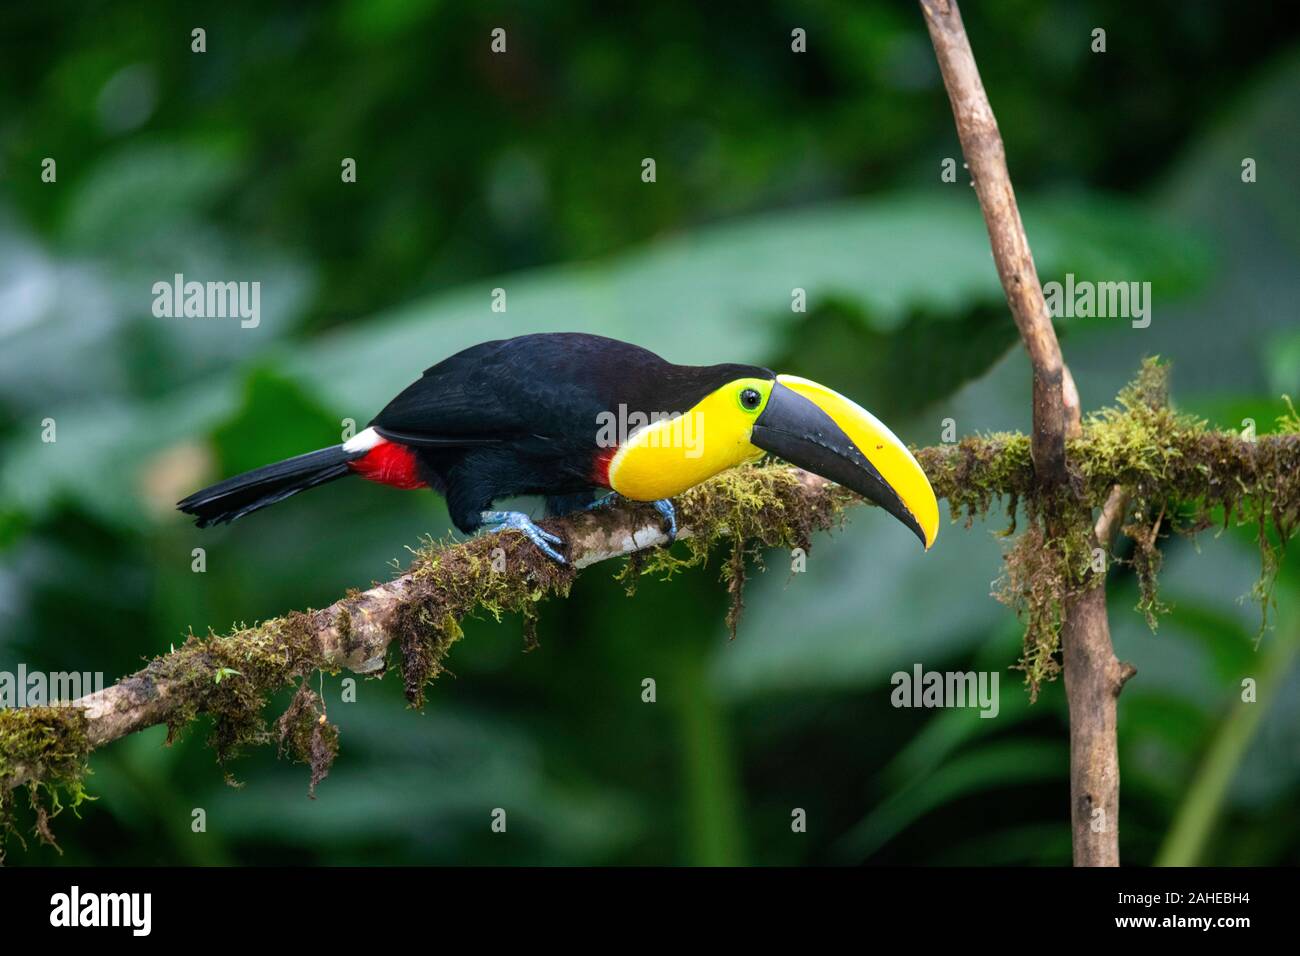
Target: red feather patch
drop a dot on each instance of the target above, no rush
(389, 464)
(600, 468)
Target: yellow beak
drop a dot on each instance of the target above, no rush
(818, 429)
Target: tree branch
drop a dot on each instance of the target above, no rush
(229, 676)
(1093, 677)
(977, 129)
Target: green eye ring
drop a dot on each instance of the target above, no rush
(750, 398)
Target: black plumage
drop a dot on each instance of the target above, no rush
(504, 418)
(235, 497)
(521, 416)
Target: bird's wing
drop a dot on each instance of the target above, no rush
(442, 410)
(416, 440)
(549, 386)
(468, 399)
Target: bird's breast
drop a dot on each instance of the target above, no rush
(666, 458)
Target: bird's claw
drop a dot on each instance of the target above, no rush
(664, 506)
(518, 521)
(669, 513)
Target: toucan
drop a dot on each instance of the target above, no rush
(568, 415)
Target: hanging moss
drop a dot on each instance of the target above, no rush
(980, 470)
(306, 735)
(424, 644)
(1042, 571)
(734, 574)
(1181, 477)
(751, 508)
(230, 677)
(44, 750)
(448, 584)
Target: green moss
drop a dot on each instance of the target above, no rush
(1180, 475)
(979, 471)
(448, 584)
(425, 638)
(751, 507)
(1042, 571)
(44, 750)
(231, 676)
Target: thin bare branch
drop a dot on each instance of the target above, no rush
(1112, 516)
(1093, 676)
(981, 143)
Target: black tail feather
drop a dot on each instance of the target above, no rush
(246, 493)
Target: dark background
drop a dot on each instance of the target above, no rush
(775, 170)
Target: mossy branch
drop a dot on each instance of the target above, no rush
(1177, 473)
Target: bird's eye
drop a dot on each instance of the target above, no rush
(750, 398)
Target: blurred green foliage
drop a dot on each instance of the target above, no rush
(819, 171)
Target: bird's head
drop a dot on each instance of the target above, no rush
(802, 422)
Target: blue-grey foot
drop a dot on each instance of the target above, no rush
(519, 521)
(612, 498)
(665, 508)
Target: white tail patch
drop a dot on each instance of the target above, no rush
(363, 441)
